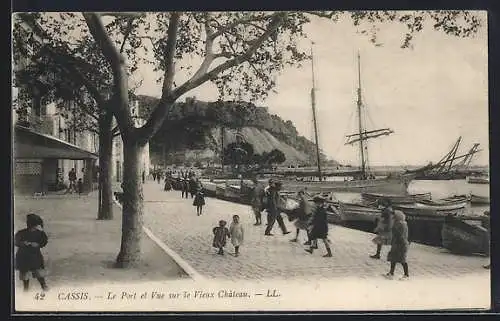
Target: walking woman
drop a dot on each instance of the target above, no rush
(303, 215)
(399, 245)
(257, 206)
(384, 227)
(318, 228)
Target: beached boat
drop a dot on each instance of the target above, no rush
(352, 212)
(479, 200)
(220, 191)
(396, 199)
(209, 188)
(364, 180)
(464, 236)
(233, 193)
(483, 179)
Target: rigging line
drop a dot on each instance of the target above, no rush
(345, 131)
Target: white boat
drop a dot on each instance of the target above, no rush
(436, 207)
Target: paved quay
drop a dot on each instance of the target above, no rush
(173, 220)
(81, 249)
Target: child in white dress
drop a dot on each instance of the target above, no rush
(236, 231)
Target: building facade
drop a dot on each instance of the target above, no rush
(43, 122)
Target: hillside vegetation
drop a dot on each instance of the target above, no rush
(193, 130)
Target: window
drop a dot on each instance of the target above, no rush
(37, 105)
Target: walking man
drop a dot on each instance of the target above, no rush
(72, 181)
(273, 212)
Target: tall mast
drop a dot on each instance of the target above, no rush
(360, 124)
(313, 101)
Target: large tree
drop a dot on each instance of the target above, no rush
(237, 51)
(71, 76)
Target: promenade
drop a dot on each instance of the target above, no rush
(173, 220)
(82, 250)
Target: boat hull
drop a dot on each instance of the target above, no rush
(396, 185)
(479, 200)
(462, 237)
(478, 180)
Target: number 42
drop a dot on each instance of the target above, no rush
(40, 296)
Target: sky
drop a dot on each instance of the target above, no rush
(429, 95)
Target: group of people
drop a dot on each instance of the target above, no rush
(392, 229)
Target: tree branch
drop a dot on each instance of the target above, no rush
(233, 24)
(271, 28)
(158, 115)
(209, 55)
(127, 33)
(116, 60)
(132, 15)
(322, 14)
(168, 79)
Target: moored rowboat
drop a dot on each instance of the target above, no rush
(397, 199)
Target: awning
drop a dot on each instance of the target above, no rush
(30, 144)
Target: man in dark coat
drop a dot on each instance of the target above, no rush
(318, 225)
(273, 212)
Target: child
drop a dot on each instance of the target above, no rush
(399, 245)
(79, 186)
(221, 234)
(199, 201)
(29, 257)
(236, 232)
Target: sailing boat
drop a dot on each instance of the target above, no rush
(362, 181)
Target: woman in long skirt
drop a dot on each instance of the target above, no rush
(399, 245)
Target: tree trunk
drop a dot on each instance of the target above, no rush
(105, 210)
(130, 250)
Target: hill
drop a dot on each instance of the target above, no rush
(193, 131)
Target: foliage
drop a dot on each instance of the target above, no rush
(238, 153)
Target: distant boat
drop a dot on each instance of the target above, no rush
(479, 179)
(464, 236)
(363, 181)
(479, 200)
(448, 168)
(396, 199)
